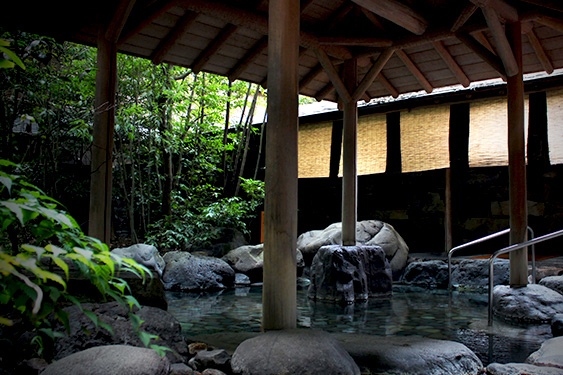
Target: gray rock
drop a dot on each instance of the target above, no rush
(474, 273)
(368, 232)
(147, 255)
(180, 369)
(84, 334)
(557, 325)
(212, 371)
(188, 272)
(520, 369)
(250, 261)
(550, 354)
(292, 352)
(427, 274)
(533, 303)
(242, 280)
(410, 355)
(217, 359)
(111, 360)
(553, 282)
(349, 273)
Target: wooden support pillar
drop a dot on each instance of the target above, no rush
(99, 225)
(279, 294)
(349, 157)
(517, 163)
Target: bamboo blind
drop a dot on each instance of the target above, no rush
(424, 138)
(314, 149)
(372, 144)
(488, 132)
(555, 125)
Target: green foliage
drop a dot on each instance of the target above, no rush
(40, 245)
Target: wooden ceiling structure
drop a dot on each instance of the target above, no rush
(420, 45)
(344, 50)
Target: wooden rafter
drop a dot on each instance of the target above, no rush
(501, 42)
(144, 18)
(257, 22)
(372, 18)
(333, 75)
(540, 52)
(337, 16)
(213, 48)
(414, 71)
(504, 10)
(451, 63)
(310, 77)
(481, 38)
(465, 14)
(304, 4)
(396, 12)
(487, 56)
(355, 41)
(373, 72)
(252, 54)
(385, 82)
(173, 36)
(554, 23)
(549, 4)
(324, 92)
(119, 19)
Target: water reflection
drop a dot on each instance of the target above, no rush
(410, 311)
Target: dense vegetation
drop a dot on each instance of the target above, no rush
(181, 141)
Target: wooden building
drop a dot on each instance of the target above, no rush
(333, 49)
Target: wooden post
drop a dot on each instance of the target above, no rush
(448, 219)
(279, 294)
(349, 157)
(99, 225)
(517, 163)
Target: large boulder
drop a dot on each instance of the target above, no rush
(189, 272)
(292, 352)
(553, 282)
(368, 232)
(111, 360)
(531, 304)
(249, 260)
(520, 369)
(147, 255)
(410, 355)
(550, 354)
(474, 273)
(427, 274)
(347, 274)
(85, 334)
(557, 325)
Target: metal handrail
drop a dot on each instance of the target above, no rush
(483, 239)
(508, 250)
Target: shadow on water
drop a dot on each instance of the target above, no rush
(409, 311)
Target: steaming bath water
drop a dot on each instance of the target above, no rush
(409, 311)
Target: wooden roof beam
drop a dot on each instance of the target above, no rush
(119, 19)
(501, 42)
(554, 23)
(324, 92)
(173, 37)
(373, 72)
(538, 49)
(257, 22)
(465, 14)
(333, 75)
(481, 38)
(213, 48)
(355, 41)
(252, 54)
(310, 77)
(385, 82)
(487, 56)
(415, 71)
(337, 16)
(505, 11)
(304, 4)
(372, 18)
(396, 12)
(144, 18)
(451, 63)
(549, 4)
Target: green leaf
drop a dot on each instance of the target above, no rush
(13, 57)
(15, 208)
(6, 64)
(6, 181)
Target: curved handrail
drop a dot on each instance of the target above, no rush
(483, 239)
(508, 250)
